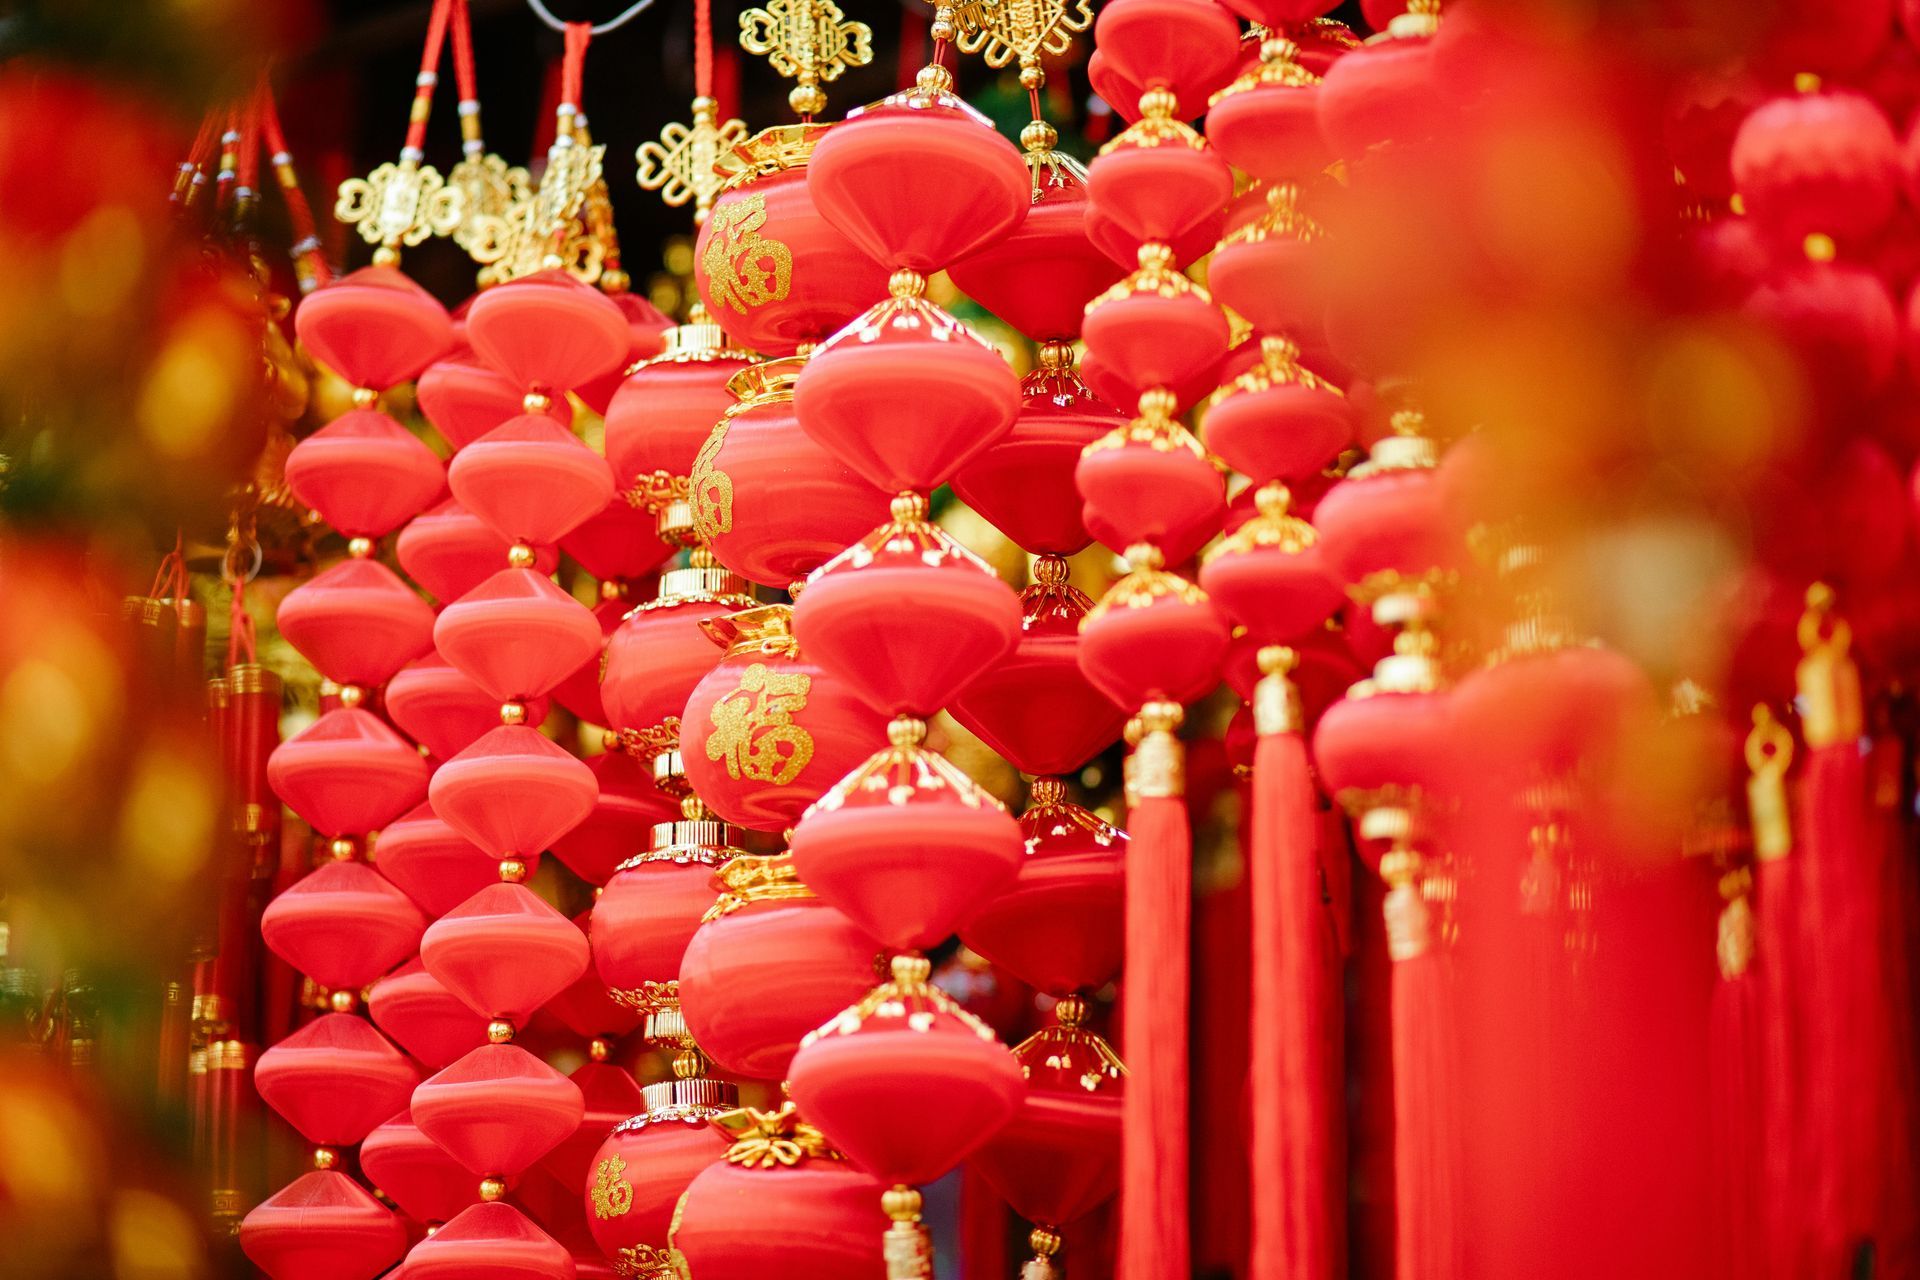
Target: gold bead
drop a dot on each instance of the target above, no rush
(908, 507)
(932, 80)
(1154, 255)
(1043, 1242)
(365, 397)
(1145, 556)
(341, 1001)
(492, 1189)
(807, 100)
(520, 556)
(1158, 103)
(1819, 247)
(1038, 135)
(1050, 570)
(513, 713)
(615, 280)
(1071, 1011)
(536, 402)
(599, 1049)
(499, 1031)
(941, 31)
(360, 548)
(513, 870)
(352, 695)
(906, 283)
(1055, 354)
(325, 1157)
(343, 848)
(911, 969)
(906, 731)
(386, 256)
(902, 1204)
(1032, 76)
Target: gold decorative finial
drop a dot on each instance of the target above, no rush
(683, 164)
(566, 222)
(808, 41)
(400, 204)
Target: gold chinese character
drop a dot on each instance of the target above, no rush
(709, 489)
(753, 728)
(612, 1194)
(744, 268)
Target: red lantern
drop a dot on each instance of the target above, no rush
(1386, 91)
(1188, 47)
(513, 792)
(647, 1163)
(531, 479)
(322, 1226)
(618, 545)
(498, 1109)
(1035, 707)
(666, 408)
(758, 447)
(589, 1012)
(491, 1241)
(803, 1214)
(580, 692)
(629, 807)
(517, 635)
(464, 400)
(647, 329)
(1267, 122)
(1279, 419)
(440, 707)
(767, 731)
(1040, 278)
(549, 332)
(364, 473)
(1057, 928)
(347, 773)
(649, 910)
(611, 1096)
(868, 613)
(1823, 163)
(335, 1079)
(1157, 182)
(375, 328)
(1269, 575)
(343, 925)
(1018, 484)
(429, 1021)
(1155, 329)
(411, 1170)
(450, 551)
(660, 653)
(907, 845)
(770, 268)
(769, 964)
(433, 864)
(1150, 482)
(1838, 319)
(356, 622)
(462, 949)
(1153, 637)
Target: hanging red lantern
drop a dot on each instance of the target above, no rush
(659, 652)
(1017, 484)
(343, 925)
(1035, 707)
(769, 963)
(548, 332)
(648, 912)
(1820, 163)
(647, 329)
(335, 1079)
(364, 473)
(870, 1077)
(1058, 1159)
(347, 773)
(426, 1019)
(490, 1241)
(1150, 482)
(1040, 277)
(906, 845)
(770, 268)
(1058, 927)
(767, 731)
(757, 446)
(517, 634)
(322, 1226)
(531, 479)
(1153, 637)
(1269, 575)
(411, 1170)
(450, 551)
(628, 809)
(464, 399)
(432, 863)
(866, 614)
(588, 1011)
(1188, 47)
(461, 949)
(513, 792)
(645, 1166)
(356, 622)
(1267, 122)
(666, 408)
(375, 328)
(611, 1096)
(497, 1110)
(784, 1203)
(580, 692)
(1279, 419)
(1385, 91)
(440, 707)
(617, 545)
(1840, 321)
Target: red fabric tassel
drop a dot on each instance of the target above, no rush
(1426, 1137)
(1298, 1223)
(1153, 1176)
(1734, 1049)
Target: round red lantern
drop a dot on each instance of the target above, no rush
(648, 912)
(1278, 419)
(1188, 47)
(667, 407)
(659, 652)
(1154, 636)
(782, 1203)
(647, 1163)
(767, 731)
(1822, 163)
(629, 808)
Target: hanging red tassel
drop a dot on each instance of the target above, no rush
(1153, 1178)
(1769, 753)
(1734, 1048)
(1427, 1146)
(1294, 1174)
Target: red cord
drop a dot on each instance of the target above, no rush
(247, 170)
(429, 75)
(463, 73)
(573, 65)
(703, 48)
(308, 263)
(192, 171)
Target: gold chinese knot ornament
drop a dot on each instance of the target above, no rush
(688, 162)
(808, 41)
(399, 204)
(1004, 30)
(564, 223)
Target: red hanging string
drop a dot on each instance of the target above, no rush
(428, 78)
(192, 171)
(309, 264)
(464, 78)
(170, 581)
(573, 64)
(246, 192)
(703, 48)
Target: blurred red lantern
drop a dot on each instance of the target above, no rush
(375, 328)
(769, 266)
(769, 964)
(758, 447)
(322, 1226)
(1838, 319)
(1057, 928)
(1035, 707)
(1188, 47)
(1022, 485)
(1822, 163)
(767, 731)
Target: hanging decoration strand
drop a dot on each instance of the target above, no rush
(703, 48)
(611, 24)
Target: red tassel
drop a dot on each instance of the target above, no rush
(1734, 1048)
(1769, 752)
(1153, 1175)
(1426, 1136)
(1294, 1173)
